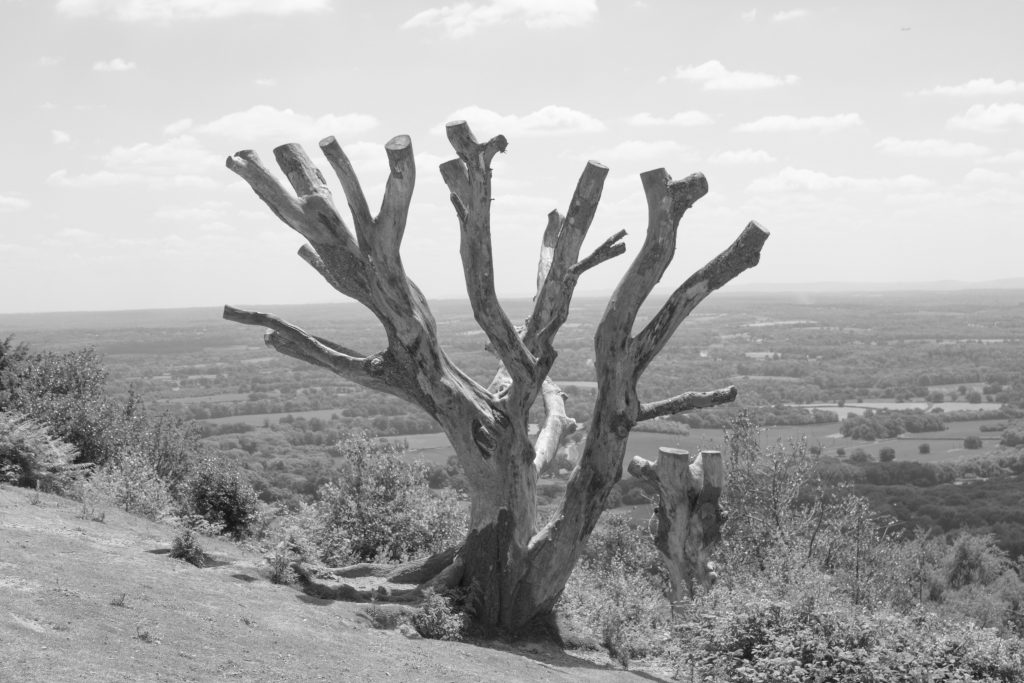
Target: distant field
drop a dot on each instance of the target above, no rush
(848, 409)
(212, 398)
(273, 418)
(947, 445)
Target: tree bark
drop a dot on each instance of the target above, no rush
(516, 571)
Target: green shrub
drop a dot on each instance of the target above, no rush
(131, 482)
(617, 591)
(740, 636)
(382, 508)
(185, 546)
(438, 619)
(221, 496)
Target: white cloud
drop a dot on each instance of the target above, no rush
(263, 121)
(115, 64)
(792, 179)
(59, 137)
(930, 147)
(77, 235)
(173, 10)
(715, 76)
(787, 122)
(789, 15)
(749, 15)
(464, 18)
(180, 155)
(8, 203)
(265, 82)
(1015, 156)
(977, 87)
(62, 178)
(742, 156)
(682, 119)
(178, 127)
(641, 150)
(549, 120)
(989, 118)
(984, 176)
(178, 162)
(46, 60)
(206, 212)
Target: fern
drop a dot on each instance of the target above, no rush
(31, 456)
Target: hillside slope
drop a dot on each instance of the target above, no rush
(102, 601)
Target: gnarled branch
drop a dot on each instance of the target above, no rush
(742, 254)
(690, 400)
(297, 343)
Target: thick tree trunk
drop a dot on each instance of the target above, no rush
(515, 571)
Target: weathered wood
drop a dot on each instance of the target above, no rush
(472, 201)
(689, 514)
(687, 401)
(350, 185)
(517, 571)
(557, 425)
(742, 254)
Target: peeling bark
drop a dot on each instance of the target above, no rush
(516, 570)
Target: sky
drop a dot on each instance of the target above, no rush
(878, 141)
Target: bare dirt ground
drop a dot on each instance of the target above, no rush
(83, 600)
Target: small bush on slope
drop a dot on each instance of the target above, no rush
(437, 618)
(221, 497)
(382, 508)
(186, 547)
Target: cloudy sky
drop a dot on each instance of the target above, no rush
(878, 141)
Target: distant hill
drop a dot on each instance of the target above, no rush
(929, 286)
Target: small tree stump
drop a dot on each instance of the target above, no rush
(690, 517)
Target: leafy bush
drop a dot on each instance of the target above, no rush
(131, 482)
(221, 496)
(617, 591)
(742, 636)
(924, 449)
(382, 508)
(186, 547)
(438, 619)
(972, 443)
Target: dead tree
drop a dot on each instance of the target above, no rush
(689, 514)
(517, 570)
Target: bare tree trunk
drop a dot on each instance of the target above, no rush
(516, 570)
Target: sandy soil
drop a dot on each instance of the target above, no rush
(83, 600)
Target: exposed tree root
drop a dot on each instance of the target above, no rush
(375, 582)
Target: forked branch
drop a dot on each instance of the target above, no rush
(469, 182)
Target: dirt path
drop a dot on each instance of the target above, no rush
(84, 600)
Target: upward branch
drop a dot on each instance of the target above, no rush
(469, 181)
